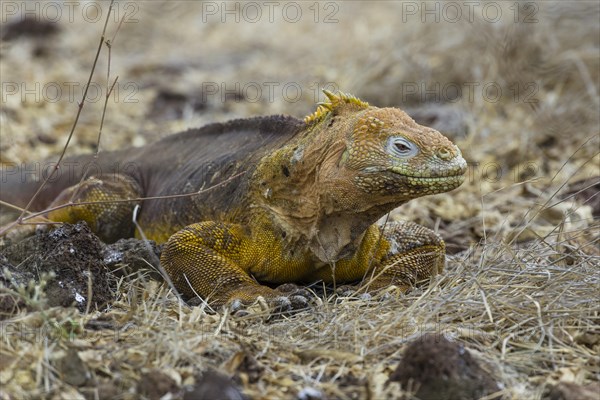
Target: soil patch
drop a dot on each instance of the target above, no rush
(68, 263)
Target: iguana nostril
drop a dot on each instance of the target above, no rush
(444, 153)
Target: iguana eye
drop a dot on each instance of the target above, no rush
(400, 147)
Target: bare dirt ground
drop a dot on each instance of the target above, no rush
(514, 84)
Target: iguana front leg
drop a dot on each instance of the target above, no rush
(401, 254)
(206, 259)
(415, 254)
(214, 260)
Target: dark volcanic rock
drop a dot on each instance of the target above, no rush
(438, 369)
(70, 257)
(155, 384)
(573, 391)
(213, 385)
(30, 28)
(130, 255)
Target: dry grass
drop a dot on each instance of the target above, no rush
(522, 285)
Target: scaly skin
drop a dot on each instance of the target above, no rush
(303, 209)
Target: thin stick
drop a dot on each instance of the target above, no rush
(137, 199)
(95, 157)
(80, 108)
(109, 90)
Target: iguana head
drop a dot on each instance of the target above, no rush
(392, 155)
(352, 164)
(387, 154)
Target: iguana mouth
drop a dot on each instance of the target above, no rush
(424, 178)
(441, 178)
(457, 169)
(448, 182)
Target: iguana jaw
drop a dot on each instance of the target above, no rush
(439, 180)
(455, 174)
(396, 184)
(433, 185)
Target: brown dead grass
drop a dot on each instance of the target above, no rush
(521, 287)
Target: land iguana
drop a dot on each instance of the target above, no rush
(273, 200)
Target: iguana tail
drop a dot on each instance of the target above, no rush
(20, 182)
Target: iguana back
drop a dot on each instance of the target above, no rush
(186, 162)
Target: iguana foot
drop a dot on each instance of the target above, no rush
(19, 232)
(287, 297)
(298, 296)
(352, 291)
